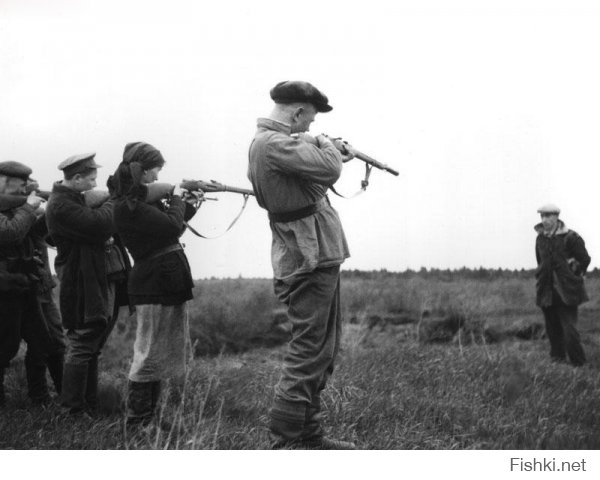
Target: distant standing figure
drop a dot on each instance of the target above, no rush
(562, 261)
(291, 177)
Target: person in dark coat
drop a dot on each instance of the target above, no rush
(562, 262)
(26, 290)
(92, 268)
(160, 283)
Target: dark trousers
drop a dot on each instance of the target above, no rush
(564, 338)
(24, 317)
(313, 302)
(80, 382)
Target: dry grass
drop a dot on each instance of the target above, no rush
(390, 391)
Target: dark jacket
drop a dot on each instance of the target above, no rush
(21, 234)
(147, 230)
(562, 261)
(80, 234)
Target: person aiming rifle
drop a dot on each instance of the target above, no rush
(290, 178)
(160, 283)
(92, 266)
(27, 308)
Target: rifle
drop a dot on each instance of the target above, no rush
(214, 186)
(345, 149)
(93, 198)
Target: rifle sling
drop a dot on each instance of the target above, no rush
(191, 229)
(363, 184)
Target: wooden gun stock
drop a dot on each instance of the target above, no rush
(212, 186)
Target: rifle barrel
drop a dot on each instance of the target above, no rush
(371, 161)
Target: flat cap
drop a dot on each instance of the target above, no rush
(79, 163)
(549, 208)
(296, 91)
(15, 169)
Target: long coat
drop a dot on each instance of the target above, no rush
(80, 234)
(562, 260)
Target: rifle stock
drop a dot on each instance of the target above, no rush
(212, 186)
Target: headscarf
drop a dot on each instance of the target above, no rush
(126, 181)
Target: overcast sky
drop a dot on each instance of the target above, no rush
(487, 112)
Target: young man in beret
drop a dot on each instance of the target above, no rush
(290, 177)
(562, 261)
(26, 286)
(92, 270)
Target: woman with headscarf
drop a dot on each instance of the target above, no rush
(160, 282)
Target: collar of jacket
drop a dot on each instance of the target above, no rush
(270, 124)
(58, 187)
(561, 229)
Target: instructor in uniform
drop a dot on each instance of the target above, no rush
(291, 176)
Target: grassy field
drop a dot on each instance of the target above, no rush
(396, 387)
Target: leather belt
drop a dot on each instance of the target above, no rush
(299, 214)
(161, 252)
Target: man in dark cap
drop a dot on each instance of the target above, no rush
(24, 283)
(562, 261)
(290, 177)
(92, 270)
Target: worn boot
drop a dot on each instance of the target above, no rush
(37, 386)
(156, 389)
(91, 389)
(139, 403)
(55, 367)
(74, 387)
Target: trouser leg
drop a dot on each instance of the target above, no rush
(55, 368)
(313, 309)
(35, 368)
(80, 377)
(554, 331)
(11, 310)
(567, 316)
(35, 334)
(56, 348)
(2, 396)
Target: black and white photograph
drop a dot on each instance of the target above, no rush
(234, 235)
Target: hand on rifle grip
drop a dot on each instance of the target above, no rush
(34, 200)
(178, 190)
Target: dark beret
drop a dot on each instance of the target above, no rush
(304, 92)
(15, 169)
(78, 163)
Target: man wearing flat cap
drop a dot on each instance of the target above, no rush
(291, 177)
(562, 261)
(91, 267)
(25, 282)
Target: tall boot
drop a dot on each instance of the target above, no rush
(91, 389)
(74, 387)
(156, 389)
(37, 386)
(139, 402)
(55, 367)
(2, 397)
